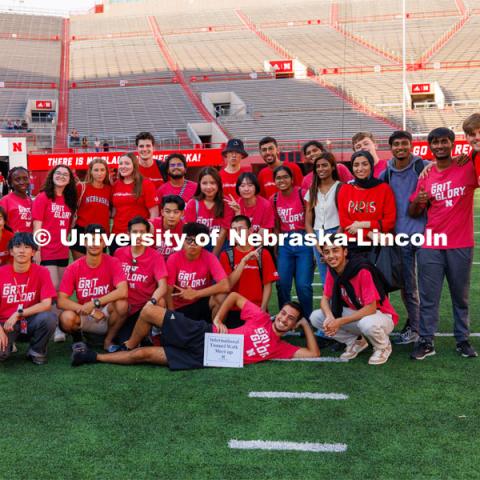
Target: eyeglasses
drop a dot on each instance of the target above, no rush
(190, 241)
(176, 165)
(60, 174)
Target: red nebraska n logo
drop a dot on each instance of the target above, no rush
(17, 146)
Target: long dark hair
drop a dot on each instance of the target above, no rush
(199, 195)
(69, 192)
(316, 182)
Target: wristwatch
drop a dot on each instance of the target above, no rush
(153, 301)
(96, 303)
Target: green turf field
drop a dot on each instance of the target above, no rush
(402, 420)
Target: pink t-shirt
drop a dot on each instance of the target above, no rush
(142, 275)
(161, 246)
(259, 340)
(207, 215)
(450, 209)
(365, 291)
(344, 175)
(169, 189)
(290, 210)
(261, 214)
(25, 289)
(267, 183)
(196, 274)
(19, 212)
(55, 216)
(88, 282)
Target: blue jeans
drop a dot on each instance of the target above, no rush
(322, 266)
(410, 289)
(295, 262)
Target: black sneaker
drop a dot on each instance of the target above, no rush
(406, 336)
(83, 356)
(466, 350)
(422, 349)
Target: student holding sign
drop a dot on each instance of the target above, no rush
(183, 339)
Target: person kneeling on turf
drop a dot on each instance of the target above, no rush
(354, 304)
(26, 292)
(101, 289)
(183, 339)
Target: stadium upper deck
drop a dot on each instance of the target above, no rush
(156, 59)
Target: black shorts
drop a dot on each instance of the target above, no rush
(56, 263)
(126, 329)
(76, 246)
(233, 319)
(198, 310)
(184, 340)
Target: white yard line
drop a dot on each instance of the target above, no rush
(292, 446)
(299, 395)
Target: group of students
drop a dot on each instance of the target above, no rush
(154, 304)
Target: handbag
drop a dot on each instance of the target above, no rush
(388, 261)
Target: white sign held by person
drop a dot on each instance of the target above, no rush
(223, 350)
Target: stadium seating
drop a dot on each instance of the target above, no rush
(29, 61)
(219, 52)
(291, 109)
(88, 25)
(124, 58)
(120, 113)
(30, 25)
(14, 101)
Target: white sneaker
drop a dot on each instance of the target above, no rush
(380, 356)
(59, 336)
(14, 348)
(354, 349)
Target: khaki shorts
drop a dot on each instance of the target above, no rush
(90, 325)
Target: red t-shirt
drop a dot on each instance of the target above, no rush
(344, 175)
(259, 340)
(267, 184)
(261, 214)
(161, 246)
(250, 284)
(152, 173)
(290, 210)
(19, 212)
(379, 168)
(229, 180)
(365, 291)
(128, 206)
(55, 216)
(376, 205)
(169, 189)
(94, 206)
(142, 275)
(450, 209)
(4, 252)
(197, 274)
(207, 215)
(88, 282)
(25, 289)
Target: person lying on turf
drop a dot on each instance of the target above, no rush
(183, 339)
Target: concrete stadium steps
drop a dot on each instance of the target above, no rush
(116, 58)
(29, 61)
(320, 46)
(123, 112)
(91, 25)
(13, 102)
(219, 52)
(31, 25)
(293, 109)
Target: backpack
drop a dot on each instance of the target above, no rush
(417, 166)
(162, 168)
(231, 261)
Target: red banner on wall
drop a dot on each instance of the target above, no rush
(80, 161)
(282, 66)
(422, 149)
(420, 88)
